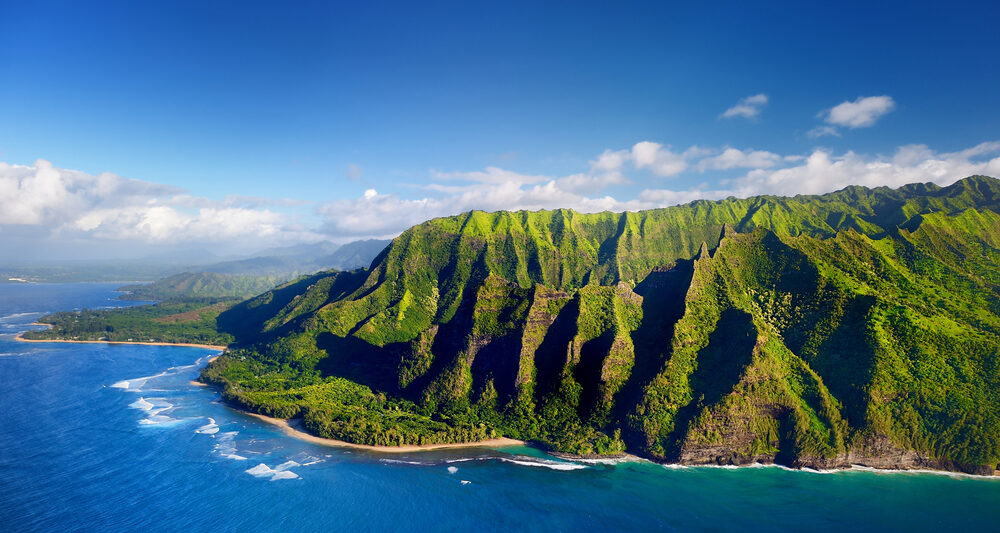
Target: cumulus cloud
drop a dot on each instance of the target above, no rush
(748, 107)
(650, 156)
(610, 161)
(861, 113)
(31, 195)
(71, 203)
(658, 159)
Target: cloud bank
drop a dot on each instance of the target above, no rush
(53, 204)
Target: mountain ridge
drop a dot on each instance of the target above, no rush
(808, 330)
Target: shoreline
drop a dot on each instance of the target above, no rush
(296, 432)
(20, 338)
(293, 429)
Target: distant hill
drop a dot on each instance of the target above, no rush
(356, 254)
(279, 263)
(304, 259)
(249, 277)
(856, 327)
(201, 285)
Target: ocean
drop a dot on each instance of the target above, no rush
(97, 437)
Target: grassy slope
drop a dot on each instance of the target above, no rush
(806, 330)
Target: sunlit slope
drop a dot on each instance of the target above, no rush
(857, 326)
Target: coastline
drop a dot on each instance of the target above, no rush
(293, 430)
(20, 338)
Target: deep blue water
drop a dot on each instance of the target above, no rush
(115, 438)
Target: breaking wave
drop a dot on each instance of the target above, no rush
(210, 428)
(522, 460)
(542, 463)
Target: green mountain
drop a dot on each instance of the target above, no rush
(861, 326)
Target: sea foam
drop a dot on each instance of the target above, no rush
(141, 404)
(226, 446)
(279, 472)
(7, 318)
(543, 463)
(210, 428)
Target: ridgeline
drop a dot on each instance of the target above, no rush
(856, 327)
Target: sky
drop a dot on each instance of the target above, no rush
(136, 128)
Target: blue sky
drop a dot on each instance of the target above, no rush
(347, 120)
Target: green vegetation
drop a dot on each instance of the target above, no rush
(857, 326)
(190, 321)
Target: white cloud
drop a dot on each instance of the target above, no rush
(658, 159)
(43, 193)
(591, 183)
(735, 158)
(64, 204)
(490, 175)
(610, 161)
(820, 131)
(71, 203)
(748, 107)
(861, 113)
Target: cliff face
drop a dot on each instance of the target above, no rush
(858, 326)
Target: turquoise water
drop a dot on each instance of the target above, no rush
(115, 438)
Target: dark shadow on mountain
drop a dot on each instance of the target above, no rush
(500, 361)
(357, 360)
(588, 371)
(550, 357)
(720, 365)
(663, 294)
(787, 453)
(846, 360)
(729, 350)
(451, 337)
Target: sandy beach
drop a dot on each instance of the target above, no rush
(294, 431)
(190, 345)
